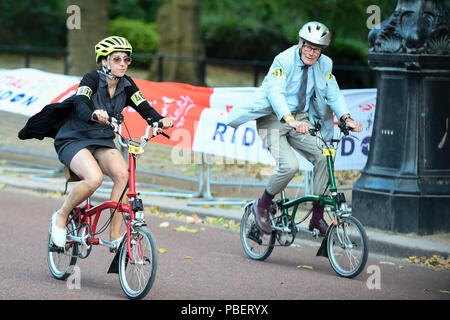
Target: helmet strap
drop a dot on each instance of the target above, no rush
(107, 71)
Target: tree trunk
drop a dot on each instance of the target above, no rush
(93, 27)
(180, 36)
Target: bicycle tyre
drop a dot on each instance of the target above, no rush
(144, 269)
(257, 245)
(60, 262)
(348, 257)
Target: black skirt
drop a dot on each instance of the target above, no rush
(67, 149)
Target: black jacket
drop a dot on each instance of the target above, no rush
(50, 119)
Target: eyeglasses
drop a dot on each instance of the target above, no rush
(118, 59)
(314, 50)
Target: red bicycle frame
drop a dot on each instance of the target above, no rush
(86, 212)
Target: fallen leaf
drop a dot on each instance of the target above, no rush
(234, 226)
(184, 229)
(191, 219)
(164, 224)
(187, 257)
(435, 261)
(162, 250)
(305, 267)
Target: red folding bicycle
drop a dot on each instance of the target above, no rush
(136, 257)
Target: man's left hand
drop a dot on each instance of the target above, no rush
(353, 125)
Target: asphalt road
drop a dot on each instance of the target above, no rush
(217, 269)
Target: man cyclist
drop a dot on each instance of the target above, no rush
(298, 90)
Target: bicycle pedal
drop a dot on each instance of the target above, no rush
(55, 248)
(315, 233)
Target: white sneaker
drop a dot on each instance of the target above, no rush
(58, 234)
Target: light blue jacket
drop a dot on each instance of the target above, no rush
(281, 86)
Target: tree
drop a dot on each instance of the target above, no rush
(179, 30)
(82, 37)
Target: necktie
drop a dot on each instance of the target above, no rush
(302, 92)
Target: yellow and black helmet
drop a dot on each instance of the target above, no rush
(111, 44)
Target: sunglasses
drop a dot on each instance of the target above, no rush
(118, 59)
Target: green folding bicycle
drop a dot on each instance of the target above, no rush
(345, 243)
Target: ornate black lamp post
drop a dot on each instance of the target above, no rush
(405, 185)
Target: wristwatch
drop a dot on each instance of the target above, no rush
(289, 118)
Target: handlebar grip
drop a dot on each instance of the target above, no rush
(151, 122)
(119, 118)
(344, 128)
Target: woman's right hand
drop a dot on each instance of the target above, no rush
(101, 116)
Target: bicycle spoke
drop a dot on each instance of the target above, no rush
(138, 276)
(257, 245)
(347, 247)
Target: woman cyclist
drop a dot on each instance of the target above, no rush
(85, 143)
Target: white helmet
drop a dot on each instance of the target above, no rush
(316, 33)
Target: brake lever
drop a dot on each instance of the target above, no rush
(343, 128)
(164, 134)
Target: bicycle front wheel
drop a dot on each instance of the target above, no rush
(61, 260)
(257, 245)
(137, 275)
(347, 246)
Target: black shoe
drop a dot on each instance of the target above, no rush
(262, 218)
(322, 226)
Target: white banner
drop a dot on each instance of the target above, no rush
(243, 143)
(27, 91)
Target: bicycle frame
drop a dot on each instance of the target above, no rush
(335, 200)
(344, 242)
(87, 212)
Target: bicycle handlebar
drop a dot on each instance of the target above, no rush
(315, 131)
(342, 126)
(115, 124)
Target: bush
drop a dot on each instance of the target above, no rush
(229, 37)
(143, 36)
(33, 22)
(349, 52)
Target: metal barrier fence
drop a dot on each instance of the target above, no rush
(205, 183)
(257, 66)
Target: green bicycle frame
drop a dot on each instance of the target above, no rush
(322, 200)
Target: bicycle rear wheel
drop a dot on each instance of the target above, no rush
(61, 260)
(347, 247)
(257, 245)
(137, 276)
